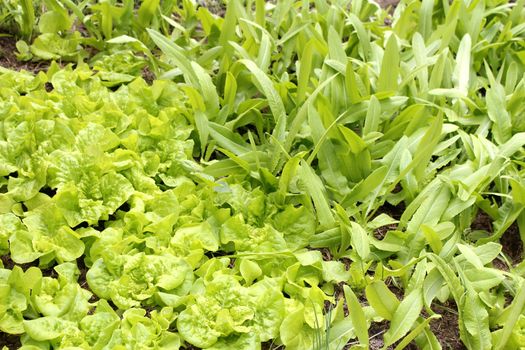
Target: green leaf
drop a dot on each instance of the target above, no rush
(470, 255)
(46, 328)
(274, 100)
(357, 315)
(516, 308)
(318, 194)
(360, 241)
(425, 18)
(305, 68)
(146, 12)
(249, 270)
(497, 112)
(475, 318)
(28, 18)
(53, 22)
(415, 332)
(373, 117)
(387, 80)
(404, 317)
(382, 299)
(456, 288)
(461, 74)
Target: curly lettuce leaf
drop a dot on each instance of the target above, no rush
(298, 225)
(45, 233)
(247, 238)
(139, 277)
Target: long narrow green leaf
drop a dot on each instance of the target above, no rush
(389, 73)
(357, 315)
(461, 74)
(316, 190)
(516, 309)
(274, 100)
(415, 332)
(382, 300)
(305, 68)
(405, 316)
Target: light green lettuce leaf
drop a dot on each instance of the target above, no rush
(196, 236)
(268, 302)
(226, 310)
(9, 224)
(51, 46)
(46, 232)
(243, 341)
(46, 328)
(297, 224)
(137, 278)
(14, 299)
(247, 238)
(99, 327)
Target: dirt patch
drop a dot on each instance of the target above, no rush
(500, 265)
(46, 271)
(8, 58)
(10, 341)
(7, 262)
(325, 253)
(388, 4)
(394, 211)
(376, 333)
(446, 328)
(82, 281)
(269, 345)
(512, 244)
(482, 221)
(216, 7)
(380, 232)
(148, 75)
(10, 264)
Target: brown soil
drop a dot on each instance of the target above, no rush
(394, 211)
(446, 328)
(214, 6)
(380, 232)
(148, 75)
(512, 244)
(482, 221)
(269, 345)
(10, 341)
(388, 3)
(375, 335)
(10, 264)
(376, 332)
(82, 281)
(500, 265)
(8, 58)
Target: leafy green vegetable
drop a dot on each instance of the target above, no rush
(223, 178)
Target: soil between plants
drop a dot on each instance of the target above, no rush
(8, 58)
(10, 341)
